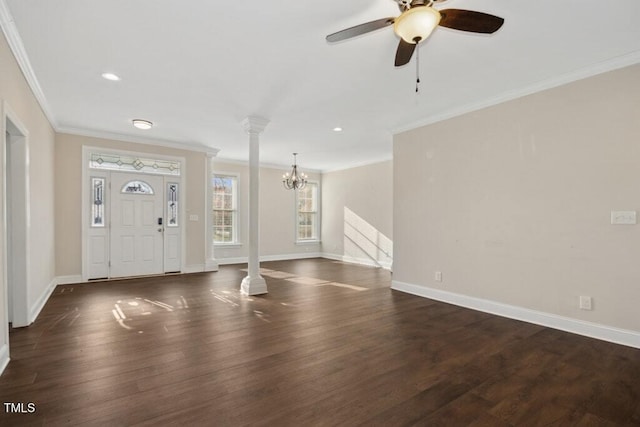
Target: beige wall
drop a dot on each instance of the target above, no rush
(357, 214)
(512, 203)
(17, 96)
(277, 216)
(68, 221)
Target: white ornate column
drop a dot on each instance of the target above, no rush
(254, 284)
(210, 264)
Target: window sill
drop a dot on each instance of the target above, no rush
(227, 245)
(308, 242)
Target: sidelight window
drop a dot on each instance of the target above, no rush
(172, 204)
(97, 205)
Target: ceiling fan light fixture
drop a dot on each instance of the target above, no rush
(142, 124)
(416, 24)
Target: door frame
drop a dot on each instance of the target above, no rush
(20, 229)
(87, 172)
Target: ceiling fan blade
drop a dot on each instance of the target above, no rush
(404, 52)
(469, 20)
(360, 29)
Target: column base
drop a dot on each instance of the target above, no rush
(253, 286)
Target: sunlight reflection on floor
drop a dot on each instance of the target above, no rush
(301, 280)
(343, 285)
(125, 312)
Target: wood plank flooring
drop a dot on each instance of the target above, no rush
(330, 345)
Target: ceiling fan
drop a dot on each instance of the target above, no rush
(416, 22)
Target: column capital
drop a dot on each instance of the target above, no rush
(254, 124)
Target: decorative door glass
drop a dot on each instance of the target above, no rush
(172, 204)
(137, 187)
(97, 205)
(127, 163)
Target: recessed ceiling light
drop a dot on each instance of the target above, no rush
(337, 129)
(142, 124)
(110, 76)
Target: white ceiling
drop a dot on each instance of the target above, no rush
(198, 68)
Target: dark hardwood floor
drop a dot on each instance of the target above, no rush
(330, 344)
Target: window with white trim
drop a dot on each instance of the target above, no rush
(308, 223)
(225, 209)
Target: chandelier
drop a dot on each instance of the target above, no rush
(294, 180)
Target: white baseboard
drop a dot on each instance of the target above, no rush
(580, 327)
(229, 261)
(334, 257)
(4, 357)
(44, 297)
(367, 261)
(68, 280)
(211, 265)
(285, 257)
(265, 258)
(361, 261)
(194, 268)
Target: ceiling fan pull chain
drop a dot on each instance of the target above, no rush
(417, 67)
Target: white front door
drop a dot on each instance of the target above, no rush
(136, 225)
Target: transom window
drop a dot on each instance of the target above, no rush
(123, 162)
(225, 209)
(308, 219)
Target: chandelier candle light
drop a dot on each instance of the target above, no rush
(294, 180)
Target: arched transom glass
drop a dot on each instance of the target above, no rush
(136, 187)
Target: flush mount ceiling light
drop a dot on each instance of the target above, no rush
(142, 124)
(110, 76)
(337, 129)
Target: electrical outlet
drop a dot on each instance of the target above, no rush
(438, 276)
(585, 302)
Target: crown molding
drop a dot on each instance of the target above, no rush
(17, 48)
(381, 159)
(353, 165)
(222, 160)
(629, 59)
(186, 146)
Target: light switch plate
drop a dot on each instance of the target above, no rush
(623, 217)
(193, 217)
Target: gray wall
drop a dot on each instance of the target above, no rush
(68, 206)
(15, 95)
(277, 216)
(357, 221)
(512, 203)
